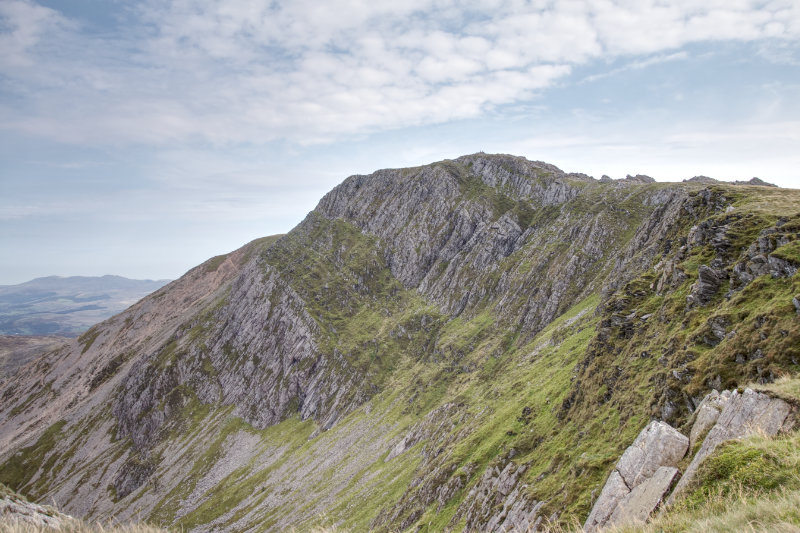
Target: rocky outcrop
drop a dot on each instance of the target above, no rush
(709, 280)
(498, 503)
(643, 499)
(433, 429)
(641, 478)
(648, 469)
(439, 234)
(706, 415)
(743, 413)
(15, 509)
(448, 230)
(670, 276)
(639, 178)
(260, 357)
(759, 259)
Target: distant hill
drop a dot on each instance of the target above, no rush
(57, 305)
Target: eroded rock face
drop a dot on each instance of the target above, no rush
(440, 237)
(263, 336)
(708, 282)
(670, 276)
(758, 260)
(642, 476)
(707, 414)
(639, 503)
(433, 428)
(498, 503)
(14, 509)
(614, 491)
(659, 444)
(745, 413)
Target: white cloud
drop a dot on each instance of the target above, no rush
(254, 71)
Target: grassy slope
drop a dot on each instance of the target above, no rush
(587, 385)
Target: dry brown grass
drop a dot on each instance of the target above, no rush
(775, 512)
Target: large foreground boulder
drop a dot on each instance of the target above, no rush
(643, 475)
(743, 414)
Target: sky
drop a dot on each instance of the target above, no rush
(140, 138)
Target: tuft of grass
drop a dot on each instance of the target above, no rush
(740, 511)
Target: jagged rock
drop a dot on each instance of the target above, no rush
(671, 276)
(614, 491)
(15, 509)
(707, 414)
(639, 504)
(436, 425)
(639, 178)
(658, 445)
(780, 268)
(702, 179)
(744, 414)
(718, 326)
(497, 503)
(759, 261)
(796, 303)
(754, 181)
(708, 283)
(517, 515)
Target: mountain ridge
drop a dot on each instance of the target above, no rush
(469, 327)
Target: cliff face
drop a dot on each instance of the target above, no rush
(439, 345)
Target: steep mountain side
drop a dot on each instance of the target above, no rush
(54, 384)
(17, 350)
(467, 345)
(482, 232)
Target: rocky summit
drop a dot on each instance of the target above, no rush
(470, 345)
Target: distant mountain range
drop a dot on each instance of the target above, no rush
(57, 305)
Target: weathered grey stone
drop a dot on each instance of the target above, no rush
(796, 303)
(639, 178)
(522, 516)
(707, 414)
(744, 414)
(498, 503)
(659, 444)
(644, 498)
(719, 329)
(434, 426)
(613, 492)
(14, 509)
(781, 268)
(708, 283)
(671, 276)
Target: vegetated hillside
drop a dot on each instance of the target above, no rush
(67, 305)
(465, 345)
